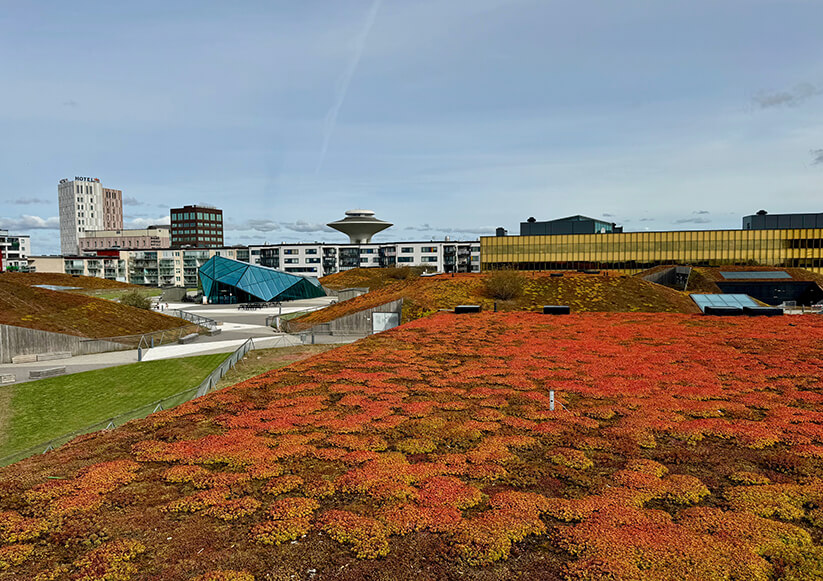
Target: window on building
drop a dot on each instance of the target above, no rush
(367, 251)
(291, 260)
(405, 259)
(429, 259)
(311, 250)
(429, 249)
(290, 251)
(406, 250)
(364, 259)
(313, 260)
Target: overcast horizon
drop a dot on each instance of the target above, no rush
(447, 118)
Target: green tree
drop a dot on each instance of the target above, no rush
(505, 285)
(136, 299)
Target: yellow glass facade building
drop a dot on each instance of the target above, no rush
(631, 252)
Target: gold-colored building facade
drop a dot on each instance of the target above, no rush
(631, 252)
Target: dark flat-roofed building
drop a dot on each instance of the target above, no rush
(197, 226)
(571, 225)
(765, 221)
(765, 243)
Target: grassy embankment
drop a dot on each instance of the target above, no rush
(38, 411)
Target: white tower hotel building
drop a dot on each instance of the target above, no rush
(86, 205)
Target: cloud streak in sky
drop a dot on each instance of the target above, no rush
(790, 98)
(145, 222)
(695, 220)
(28, 201)
(263, 225)
(342, 88)
(26, 222)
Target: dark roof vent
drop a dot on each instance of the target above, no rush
(531, 220)
(762, 212)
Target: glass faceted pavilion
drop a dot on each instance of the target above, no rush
(230, 281)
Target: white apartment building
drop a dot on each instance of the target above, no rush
(14, 251)
(157, 267)
(320, 259)
(163, 267)
(85, 205)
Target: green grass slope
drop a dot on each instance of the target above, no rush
(49, 408)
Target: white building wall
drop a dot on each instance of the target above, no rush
(309, 259)
(16, 250)
(81, 208)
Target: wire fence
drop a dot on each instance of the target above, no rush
(207, 385)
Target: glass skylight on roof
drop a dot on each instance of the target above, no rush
(723, 300)
(754, 275)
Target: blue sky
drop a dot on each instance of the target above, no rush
(446, 117)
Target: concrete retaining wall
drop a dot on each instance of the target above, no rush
(349, 293)
(674, 277)
(359, 323)
(22, 341)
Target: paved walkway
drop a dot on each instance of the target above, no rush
(237, 327)
(73, 364)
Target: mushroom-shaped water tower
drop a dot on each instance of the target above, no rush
(360, 226)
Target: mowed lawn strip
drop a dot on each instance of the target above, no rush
(49, 408)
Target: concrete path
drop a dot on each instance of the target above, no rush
(205, 348)
(236, 327)
(73, 364)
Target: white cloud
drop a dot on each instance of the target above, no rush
(26, 222)
(145, 222)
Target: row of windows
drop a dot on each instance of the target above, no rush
(722, 247)
(182, 239)
(301, 269)
(179, 231)
(210, 216)
(637, 265)
(297, 261)
(193, 224)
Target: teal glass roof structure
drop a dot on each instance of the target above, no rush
(223, 277)
(724, 300)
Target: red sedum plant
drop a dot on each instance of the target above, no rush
(679, 447)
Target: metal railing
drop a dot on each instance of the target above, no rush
(154, 338)
(169, 402)
(191, 317)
